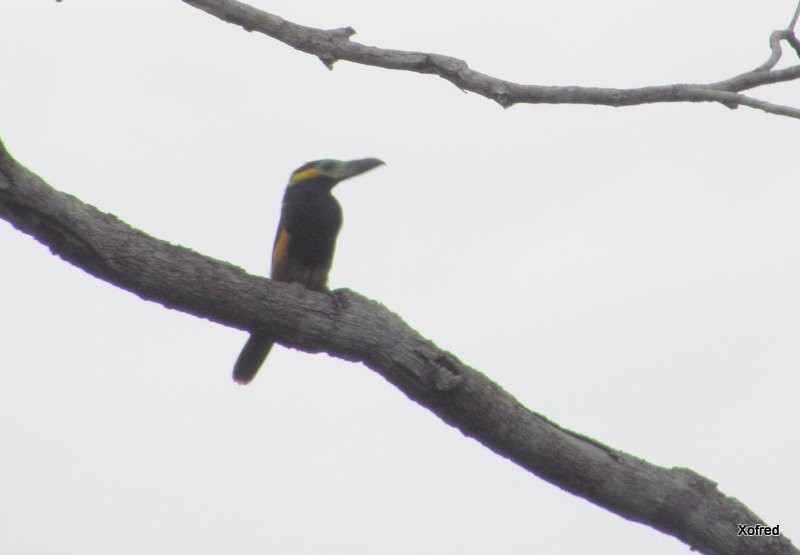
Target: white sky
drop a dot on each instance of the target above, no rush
(631, 273)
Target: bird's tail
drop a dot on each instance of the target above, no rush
(251, 358)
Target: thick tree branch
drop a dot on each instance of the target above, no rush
(676, 501)
(333, 45)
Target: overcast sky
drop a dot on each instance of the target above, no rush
(631, 273)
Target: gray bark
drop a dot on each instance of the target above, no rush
(676, 501)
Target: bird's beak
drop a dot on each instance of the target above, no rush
(352, 168)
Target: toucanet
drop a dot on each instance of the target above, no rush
(305, 241)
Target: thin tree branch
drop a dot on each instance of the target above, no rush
(333, 45)
(793, 22)
(676, 501)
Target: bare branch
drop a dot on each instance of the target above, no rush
(791, 38)
(793, 22)
(676, 501)
(775, 39)
(333, 45)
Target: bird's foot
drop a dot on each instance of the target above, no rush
(340, 300)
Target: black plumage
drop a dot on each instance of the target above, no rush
(305, 241)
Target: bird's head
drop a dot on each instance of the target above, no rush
(331, 172)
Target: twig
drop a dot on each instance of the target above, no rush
(793, 22)
(333, 45)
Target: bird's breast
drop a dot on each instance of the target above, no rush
(312, 222)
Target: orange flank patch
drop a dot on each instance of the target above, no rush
(303, 175)
(279, 251)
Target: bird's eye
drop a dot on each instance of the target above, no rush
(327, 166)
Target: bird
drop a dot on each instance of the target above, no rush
(304, 242)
